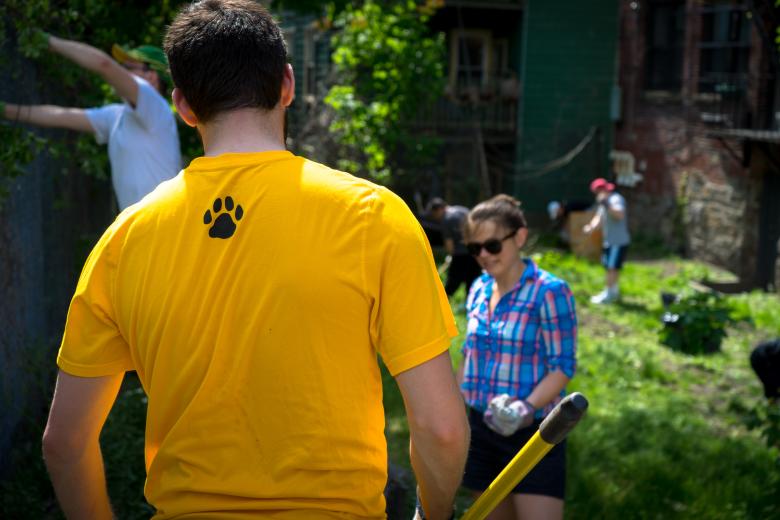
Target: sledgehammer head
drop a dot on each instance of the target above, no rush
(563, 418)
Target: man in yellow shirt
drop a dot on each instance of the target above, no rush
(252, 294)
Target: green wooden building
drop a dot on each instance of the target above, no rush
(530, 100)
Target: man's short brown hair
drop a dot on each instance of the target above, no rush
(225, 55)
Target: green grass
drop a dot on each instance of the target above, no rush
(668, 435)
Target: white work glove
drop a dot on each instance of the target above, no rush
(506, 418)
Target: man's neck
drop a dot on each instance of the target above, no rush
(244, 130)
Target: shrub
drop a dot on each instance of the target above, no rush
(387, 65)
(696, 323)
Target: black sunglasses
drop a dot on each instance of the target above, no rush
(492, 246)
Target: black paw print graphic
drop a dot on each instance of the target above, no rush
(223, 225)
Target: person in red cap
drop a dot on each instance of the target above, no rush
(612, 216)
(141, 133)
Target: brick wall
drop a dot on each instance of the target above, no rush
(714, 219)
(699, 193)
(695, 193)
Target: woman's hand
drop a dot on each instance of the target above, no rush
(506, 418)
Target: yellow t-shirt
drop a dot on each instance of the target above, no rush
(252, 293)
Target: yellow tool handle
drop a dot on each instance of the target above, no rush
(553, 430)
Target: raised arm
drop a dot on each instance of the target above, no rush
(71, 447)
(100, 63)
(439, 432)
(49, 116)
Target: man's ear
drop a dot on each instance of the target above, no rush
(288, 86)
(183, 108)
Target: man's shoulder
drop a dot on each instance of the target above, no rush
(454, 215)
(317, 171)
(460, 211)
(167, 193)
(151, 104)
(616, 198)
(152, 94)
(109, 110)
(111, 107)
(343, 187)
(133, 224)
(361, 197)
(137, 217)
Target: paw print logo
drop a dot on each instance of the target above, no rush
(223, 224)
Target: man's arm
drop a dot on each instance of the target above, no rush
(439, 432)
(48, 115)
(71, 445)
(594, 223)
(100, 63)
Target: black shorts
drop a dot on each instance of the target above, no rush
(490, 452)
(612, 257)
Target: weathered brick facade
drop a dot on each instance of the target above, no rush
(702, 192)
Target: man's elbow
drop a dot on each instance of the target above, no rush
(60, 446)
(449, 432)
(454, 435)
(104, 64)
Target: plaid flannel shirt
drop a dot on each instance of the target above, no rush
(531, 332)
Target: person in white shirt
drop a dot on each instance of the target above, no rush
(143, 141)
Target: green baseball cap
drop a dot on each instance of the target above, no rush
(150, 54)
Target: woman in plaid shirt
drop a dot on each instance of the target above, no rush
(518, 356)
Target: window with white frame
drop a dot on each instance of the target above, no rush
(469, 59)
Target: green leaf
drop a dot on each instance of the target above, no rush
(388, 65)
